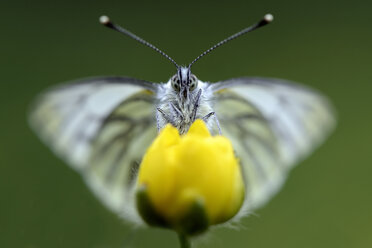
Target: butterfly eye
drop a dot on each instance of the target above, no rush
(193, 83)
(175, 83)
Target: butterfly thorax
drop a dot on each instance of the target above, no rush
(181, 103)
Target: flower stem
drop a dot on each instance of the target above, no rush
(184, 241)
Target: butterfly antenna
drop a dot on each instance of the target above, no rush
(106, 22)
(266, 20)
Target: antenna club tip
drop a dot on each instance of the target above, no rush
(104, 20)
(268, 18)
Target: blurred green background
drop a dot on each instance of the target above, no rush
(327, 200)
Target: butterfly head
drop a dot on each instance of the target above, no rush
(184, 82)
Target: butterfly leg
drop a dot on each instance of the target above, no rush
(175, 111)
(166, 117)
(196, 105)
(206, 117)
(157, 121)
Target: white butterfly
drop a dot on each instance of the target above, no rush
(103, 126)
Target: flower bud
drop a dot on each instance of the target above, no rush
(189, 182)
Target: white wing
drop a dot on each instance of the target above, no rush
(272, 124)
(80, 121)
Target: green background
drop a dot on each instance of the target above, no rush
(326, 201)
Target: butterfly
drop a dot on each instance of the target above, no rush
(102, 126)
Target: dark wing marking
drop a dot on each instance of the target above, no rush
(117, 152)
(272, 124)
(101, 127)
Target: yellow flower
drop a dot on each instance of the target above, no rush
(189, 182)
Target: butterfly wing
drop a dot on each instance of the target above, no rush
(101, 127)
(272, 124)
